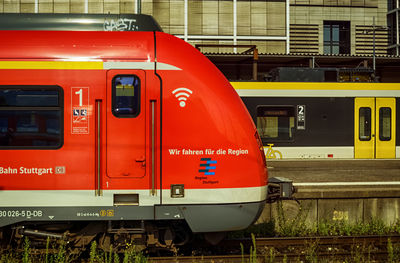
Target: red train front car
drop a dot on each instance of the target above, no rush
(128, 132)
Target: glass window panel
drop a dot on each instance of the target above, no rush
(268, 126)
(365, 124)
(327, 49)
(53, 126)
(28, 98)
(337, 37)
(327, 33)
(275, 123)
(126, 96)
(31, 117)
(335, 32)
(27, 128)
(3, 124)
(335, 49)
(385, 124)
(291, 125)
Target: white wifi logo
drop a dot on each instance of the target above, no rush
(182, 94)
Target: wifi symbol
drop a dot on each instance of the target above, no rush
(182, 94)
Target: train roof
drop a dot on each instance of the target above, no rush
(78, 22)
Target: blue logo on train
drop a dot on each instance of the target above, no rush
(207, 166)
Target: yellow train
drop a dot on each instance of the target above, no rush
(325, 120)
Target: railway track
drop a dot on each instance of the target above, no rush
(338, 248)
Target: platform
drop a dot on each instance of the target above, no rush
(333, 178)
(335, 190)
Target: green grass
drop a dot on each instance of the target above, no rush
(60, 254)
(297, 225)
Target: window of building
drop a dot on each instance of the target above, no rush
(393, 26)
(336, 37)
(275, 123)
(340, 3)
(385, 124)
(392, 4)
(31, 117)
(365, 124)
(126, 96)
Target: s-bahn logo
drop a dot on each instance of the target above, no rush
(182, 94)
(207, 166)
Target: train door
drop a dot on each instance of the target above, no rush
(375, 128)
(125, 144)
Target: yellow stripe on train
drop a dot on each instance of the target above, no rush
(79, 65)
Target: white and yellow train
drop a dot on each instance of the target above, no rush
(325, 120)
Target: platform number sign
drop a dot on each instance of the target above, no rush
(301, 117)
(80, 110)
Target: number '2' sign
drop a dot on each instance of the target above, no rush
(80, 110)
(301, 117)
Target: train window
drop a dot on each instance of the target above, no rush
(126, 96)
(276, 123)
(385, 124)
(365, 124)
(31, 117)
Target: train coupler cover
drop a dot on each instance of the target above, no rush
(280, 188)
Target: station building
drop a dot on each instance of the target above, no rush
(247, 39)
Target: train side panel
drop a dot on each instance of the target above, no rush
(24, 152)
(139, 138)
(210, 149)
(63, 182)
(325, 120)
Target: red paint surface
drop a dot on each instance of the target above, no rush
(213, 119)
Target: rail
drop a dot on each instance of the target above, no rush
(304, 248)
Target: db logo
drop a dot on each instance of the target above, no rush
(60, 170)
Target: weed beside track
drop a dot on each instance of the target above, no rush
(287, 239)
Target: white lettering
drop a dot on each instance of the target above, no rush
(210, 152)
(24, 170)
(238, 152)
(122, 24)
(174, 151)
(21, 213)
(8, 170)
(37, 171)
(192, 152)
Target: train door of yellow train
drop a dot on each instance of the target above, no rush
(375, 128)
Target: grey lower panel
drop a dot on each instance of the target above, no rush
(214, 218)
(200, 218)
(12, 215)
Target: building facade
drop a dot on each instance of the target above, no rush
(339, 27)
(274, 26)
(393, 25)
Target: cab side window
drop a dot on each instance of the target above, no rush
(31, 117)
(126, 96)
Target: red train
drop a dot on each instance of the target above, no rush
(123, 133)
